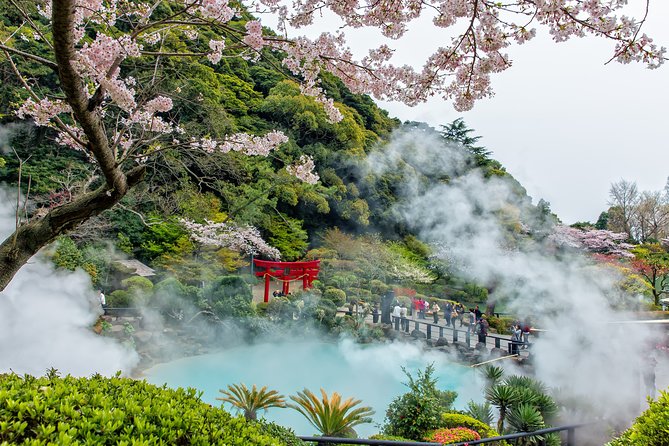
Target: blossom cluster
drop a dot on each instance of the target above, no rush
(43, 111)
(454, 435)
(304, 170)
(592, 240)
(242, 142)
(240, 238)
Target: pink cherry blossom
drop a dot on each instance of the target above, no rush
(241, 238)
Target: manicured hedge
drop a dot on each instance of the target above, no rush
(116, 411)
(451, 420)
(651, 428)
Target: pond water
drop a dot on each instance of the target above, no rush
(371, 373)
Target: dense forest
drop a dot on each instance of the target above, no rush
(348, 219)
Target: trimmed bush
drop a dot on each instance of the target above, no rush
(451, 420)
(99, 410)
(453, 435)
(388, 437)
(284, 434)
(650, 428)
(335, 295)
(139, 283)
(230, 296)
(119, 299)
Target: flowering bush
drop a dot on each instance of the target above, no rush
(453, 435)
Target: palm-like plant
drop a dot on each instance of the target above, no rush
(482, 412)
(253, 400)
(503, 397)
(332, 417)
(526, 418)
(492, 374)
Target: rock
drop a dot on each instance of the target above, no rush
(497, 353)
(142, 336)
(441, 342)
(417, 334)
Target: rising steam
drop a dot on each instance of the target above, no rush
(468, 217)
(46, 319)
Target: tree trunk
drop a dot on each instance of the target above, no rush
(26, 240)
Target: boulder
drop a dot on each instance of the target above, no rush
(417, 334)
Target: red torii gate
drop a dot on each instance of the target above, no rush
(287, 271)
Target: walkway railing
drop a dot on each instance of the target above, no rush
(570, 439)
(431, 329)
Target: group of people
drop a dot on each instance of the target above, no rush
(454, 312)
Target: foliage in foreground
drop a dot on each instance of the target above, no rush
(250, 401)
(100, 410)
(415, 413)
(651, 428)
(453, 435)
(453, 420)
(331, 416)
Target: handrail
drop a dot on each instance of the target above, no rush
(366, 441)
(571, 441)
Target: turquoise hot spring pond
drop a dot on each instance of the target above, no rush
(371, 373)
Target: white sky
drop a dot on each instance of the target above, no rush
(561, 122)
(566, 125)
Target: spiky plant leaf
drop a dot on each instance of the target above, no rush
(482, 412)
(253, 400)
(330, 415)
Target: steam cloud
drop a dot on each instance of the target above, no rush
(582, 353)
(46, 319)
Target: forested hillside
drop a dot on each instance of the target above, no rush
(345, 217)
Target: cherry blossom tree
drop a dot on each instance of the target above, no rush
(118, 123)
(596, 241)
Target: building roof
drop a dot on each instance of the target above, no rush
(137, 267)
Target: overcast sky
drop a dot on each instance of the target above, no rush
(561, 122)
(566, 125)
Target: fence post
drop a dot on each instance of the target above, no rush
(468, 339)
(497, 343)
(571, 437)
(429, 331)
(455, 335)
(441, 332)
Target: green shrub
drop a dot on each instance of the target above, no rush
(418, 411)
(335, 295)
(452, 435)
(119, 299)
(387, 437)
(230, 296)
(650, 428)
(501, 325)
(451, 420)
(228, 286)
(284, 434)
(99, 410)
(138, 283)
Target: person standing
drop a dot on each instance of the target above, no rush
(102, 301)
(526, 334)
(482, 329)
(447, 313)
(404, 322)
(396, 311)
(435, 313)
(472, 321)
(516, 337)
(460, 310)
(477, 313)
